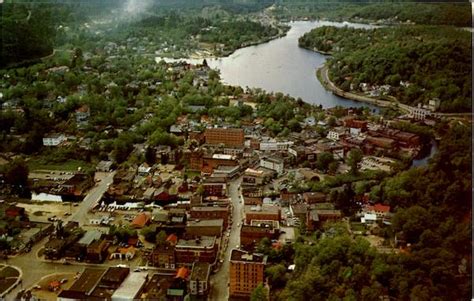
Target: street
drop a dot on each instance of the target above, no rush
(219, 281)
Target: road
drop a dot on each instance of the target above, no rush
(219, 281)
(34, 268)
(94, 195)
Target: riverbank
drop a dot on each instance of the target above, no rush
(323, 77)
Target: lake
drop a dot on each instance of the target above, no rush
(281, 66)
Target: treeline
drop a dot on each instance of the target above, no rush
(418, 62)
(432, 215)
(428, 13)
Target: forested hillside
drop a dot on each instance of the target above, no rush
(433, 215)
(418, 62)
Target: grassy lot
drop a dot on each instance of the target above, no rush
(71, 165)
(358, 227)
(9, 272)
(6, 283)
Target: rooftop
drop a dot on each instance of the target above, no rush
(89, 237)
(205, 223)
(202, 242)
(239, 255)
(201, 271)
(87, 281)
(131, 286)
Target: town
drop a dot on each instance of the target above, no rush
(194, 218)
(131, 168)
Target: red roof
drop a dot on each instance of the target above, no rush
(182, 273)
(381, 208)
(141, 220)
(172, 238)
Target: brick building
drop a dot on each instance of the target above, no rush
(203, 249)
(228, 137)
(246, 273)
(163, 256)
(206, 213)
(252, 234)
(264, 212)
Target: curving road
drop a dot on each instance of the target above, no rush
(219, 281)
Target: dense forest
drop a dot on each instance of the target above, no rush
(428, 13)
(432, 214)
(418, 62)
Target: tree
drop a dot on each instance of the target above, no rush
(17, 173)
(276, 275)
(161, 237)
(323, 161)
(259, 293)
(353, 159)
(149, 233)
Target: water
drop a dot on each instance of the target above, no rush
(281, 66)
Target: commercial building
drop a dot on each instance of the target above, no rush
(199, 280)
(131, 287)
(83, 287)
(263, 212)
(207, 212)
(163, 256)
(252, 234)
(202, 249)
(246, 273)
(228, 137)
(211, 227)
(273, 164)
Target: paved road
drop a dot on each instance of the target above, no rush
(219, 281)
(94, 195)
(34, 268)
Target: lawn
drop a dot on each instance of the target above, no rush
(9, 272)
(358, 227)
(6, 283)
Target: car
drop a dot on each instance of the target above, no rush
(64, 280)
(121, 266)
(237, 246)
(37, 287)
(137, 270)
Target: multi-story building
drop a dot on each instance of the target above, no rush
(163, 256)
(199, 279)
(227, 137)
(206, 213)
(202, 249)
(263, 212)
(246, 273)
(252, 234)
(273, 164)
(54, 139)
(211, 227)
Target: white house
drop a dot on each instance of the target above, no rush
(335, 133)
(53, 139)
(273, 164)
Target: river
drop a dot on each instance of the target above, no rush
(281, 66)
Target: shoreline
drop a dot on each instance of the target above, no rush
(323, 77)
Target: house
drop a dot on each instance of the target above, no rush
(380, 210)
(82, 114)
(246, 273)
(314, 197)
(53, 139)
(97, 251)
(199, 279)
(141, 220)
(124, 253)
(317, 217)
(104, 166)
(273, 164)
(336, 133)
(144, 169)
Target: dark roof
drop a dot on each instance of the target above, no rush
(88, 280)
(115, 274)
(239, 255)
(72, 295)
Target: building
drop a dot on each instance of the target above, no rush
(210, 163)
(54, 139)
(131, 287)
(250, 235)
(141, 220)
(206, 213)
(210, 227)
(336, 133)
(273, 145)
(199, 280)
(83, 287)
(419, 113)
(273, 164)
(314, 197)
(246, 273)
(163, 256)
(263, 212)
(253, 177)
(202, 249)
(317, 217)
(228, 137)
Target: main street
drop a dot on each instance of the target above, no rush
(34, 268)
(220, 280)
